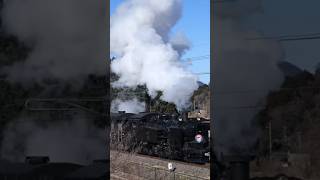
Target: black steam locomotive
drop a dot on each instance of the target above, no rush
(162, 135)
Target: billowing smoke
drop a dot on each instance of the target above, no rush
(75, 140)
(244, 72)
(146, 55)
(67, 38)
(180, 43)
(129, 106)
(67, 41)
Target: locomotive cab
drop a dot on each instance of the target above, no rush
(197, 148)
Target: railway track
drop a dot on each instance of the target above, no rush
(206, 165)
(122, 161)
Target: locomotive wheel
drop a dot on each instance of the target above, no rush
(149, 150)
(144, 150)
(165, 153)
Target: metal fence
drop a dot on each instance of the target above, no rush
(147, 171)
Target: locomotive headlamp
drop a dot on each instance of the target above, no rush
(199, 138)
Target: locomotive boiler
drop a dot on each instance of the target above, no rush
(162, 135)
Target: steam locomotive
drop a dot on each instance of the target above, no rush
(162, 135)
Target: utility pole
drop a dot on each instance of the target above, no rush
(270, 138)
(285, 136)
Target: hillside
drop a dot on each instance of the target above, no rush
(201, 102)
(290, 121)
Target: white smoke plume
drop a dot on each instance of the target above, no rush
(140, 37)
(76, 141)
(129, 106)
(244, 72)
(67, 38)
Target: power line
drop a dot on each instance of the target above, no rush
(296, 37)
(200, 44)
(261, 106)
(223, 1)
(302, 38)
(251, 91)
(202, 73)
(196, 58)
(187, 59)
(240, 107)
(260, 90)
(285, 36)
(257, 91)
(216, 1)
(258, 106)
(265, 90)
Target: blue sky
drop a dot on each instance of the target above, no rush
(292, 17)
(195, 23)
